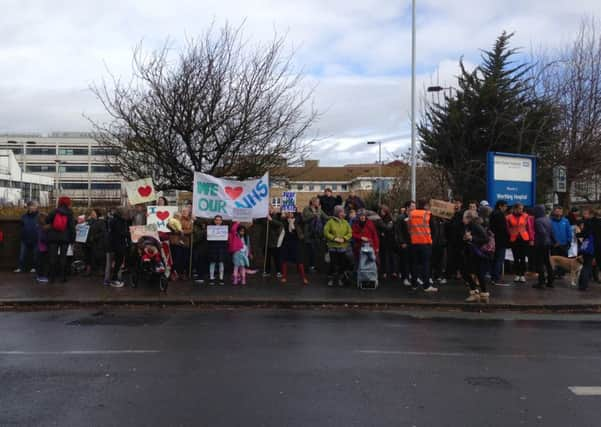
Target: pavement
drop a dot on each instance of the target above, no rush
(21, 289)
(264, 367)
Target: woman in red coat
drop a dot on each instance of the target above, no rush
(364, 231)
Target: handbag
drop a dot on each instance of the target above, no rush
(588, 246)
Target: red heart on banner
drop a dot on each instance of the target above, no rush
(163, 215)
(145, 191)
(234, 192)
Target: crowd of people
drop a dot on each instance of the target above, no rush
(413, 247)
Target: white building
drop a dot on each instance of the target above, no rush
(17, 187)
(79, 166)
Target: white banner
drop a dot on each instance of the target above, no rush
(140, 191)
(160, 215)
(215, 196)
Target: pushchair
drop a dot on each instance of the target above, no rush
(149, 263)
(367, 270)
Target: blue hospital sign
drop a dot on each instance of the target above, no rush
(511, 177)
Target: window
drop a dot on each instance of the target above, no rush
(102, 168)
(106, 186)
(344, 187)
(276, 202)
(41, 151)
(104, 151)
(41, 168)
(334, 187)
(299, 187)
(69, 151)
(15, 150)
(74, 185)
(74, 168)
(322, 187)
(311, 187)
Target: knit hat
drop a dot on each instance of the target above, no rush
(338, 209)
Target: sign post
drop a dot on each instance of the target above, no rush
(511, 177)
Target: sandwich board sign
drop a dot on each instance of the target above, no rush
(511, 177)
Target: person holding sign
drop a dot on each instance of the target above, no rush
(292, 246)
(217, 237)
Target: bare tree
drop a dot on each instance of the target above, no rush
(219, 107)
(572, 79)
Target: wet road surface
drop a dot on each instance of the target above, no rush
(297, 368)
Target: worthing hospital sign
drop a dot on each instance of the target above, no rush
(511, 177)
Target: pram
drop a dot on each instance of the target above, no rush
(150, 263)
(367, 270)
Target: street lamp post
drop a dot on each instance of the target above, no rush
(379, 169)
(413, 124)
(440, 89)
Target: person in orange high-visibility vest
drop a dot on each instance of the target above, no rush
(420, 233)
(521, 235)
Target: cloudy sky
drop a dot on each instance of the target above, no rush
(357, 52)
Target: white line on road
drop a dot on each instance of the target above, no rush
(586, 391)
(487, 355)
(74, 352)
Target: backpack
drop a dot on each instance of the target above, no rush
(487, 250)
(588, 246)
(59, 223)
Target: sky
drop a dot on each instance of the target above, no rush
(357, 55)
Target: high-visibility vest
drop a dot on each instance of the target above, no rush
(517, 226)
(419, 227)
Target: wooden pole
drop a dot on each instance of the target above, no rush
(266, 260)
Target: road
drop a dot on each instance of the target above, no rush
(145, 367)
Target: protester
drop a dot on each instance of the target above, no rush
(562, 232)
(200, 261)
(139, 215)
(353, 202)
(338, 234)
(420, 233)
(587, 249)
(521, 236)
(42, 249)
(476, 260)
(364, 232)
(403, 241)
(98, 240)
(388, 252)
(498, 226)
(328, 202)
(61, 233)
(162, 201)
(29, 238)
(274, 243)
(179, 241)
(472, 205)
(439, 250)
(455, 231)
(239, 248)
(292, 246)
(543, 242)
(217, 255)
(314, 219)
(119, 243)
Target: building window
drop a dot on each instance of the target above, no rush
(40, 168)
(311, 187)
(334, 187)
(72, 151)
(74, 185)
(106, 186)
(299, 187)
(102, 168)
(41, 151)
(276, 202)
(104, 151)
(344, 187)
(15, 150)
(74, 169)
(322, 187)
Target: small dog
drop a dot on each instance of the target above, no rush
(571, 265)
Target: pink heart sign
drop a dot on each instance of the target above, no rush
(145, 191)
(163, 215)
(234, 192)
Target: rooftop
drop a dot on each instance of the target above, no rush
(311, 171)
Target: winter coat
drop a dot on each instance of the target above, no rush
(455, 230)
(336, 228)
(543, 229)
(437, 228)
(353, 202)
(314, 222)
(65, 236)
(98, 235)
(385, 228)
(292, 247)
(498, 225)
(366, 229)
(200, 238)
(562, 230)
(234, 242)
(479, 236)
(29, 228)
(119, 238)
(328, 203)
(401, 231)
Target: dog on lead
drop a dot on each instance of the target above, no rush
(572, 265)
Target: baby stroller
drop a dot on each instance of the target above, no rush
(150, 263)
(367, 271)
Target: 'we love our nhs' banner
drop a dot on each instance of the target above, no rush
(237, 200)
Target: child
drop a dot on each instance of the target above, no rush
(42, 248)
(152, 254)
(292, 246)
(217, 254)
(239, 247)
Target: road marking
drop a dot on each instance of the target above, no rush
(488, 355)
(586, 391)
(75, 352)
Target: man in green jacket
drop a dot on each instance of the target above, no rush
(338, 234)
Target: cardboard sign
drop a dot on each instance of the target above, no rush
(138, 231)
(217, 233)
(160, 216)
(288, 202)
(81, 233)
(242, 215)
(140, 191)
(215, 196)
(441, 209)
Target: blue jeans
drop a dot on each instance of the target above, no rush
(497, 264)
(25, 249)
(420, 264)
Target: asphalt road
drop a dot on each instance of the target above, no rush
(296, 368)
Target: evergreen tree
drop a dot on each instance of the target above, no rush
(495, 108)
